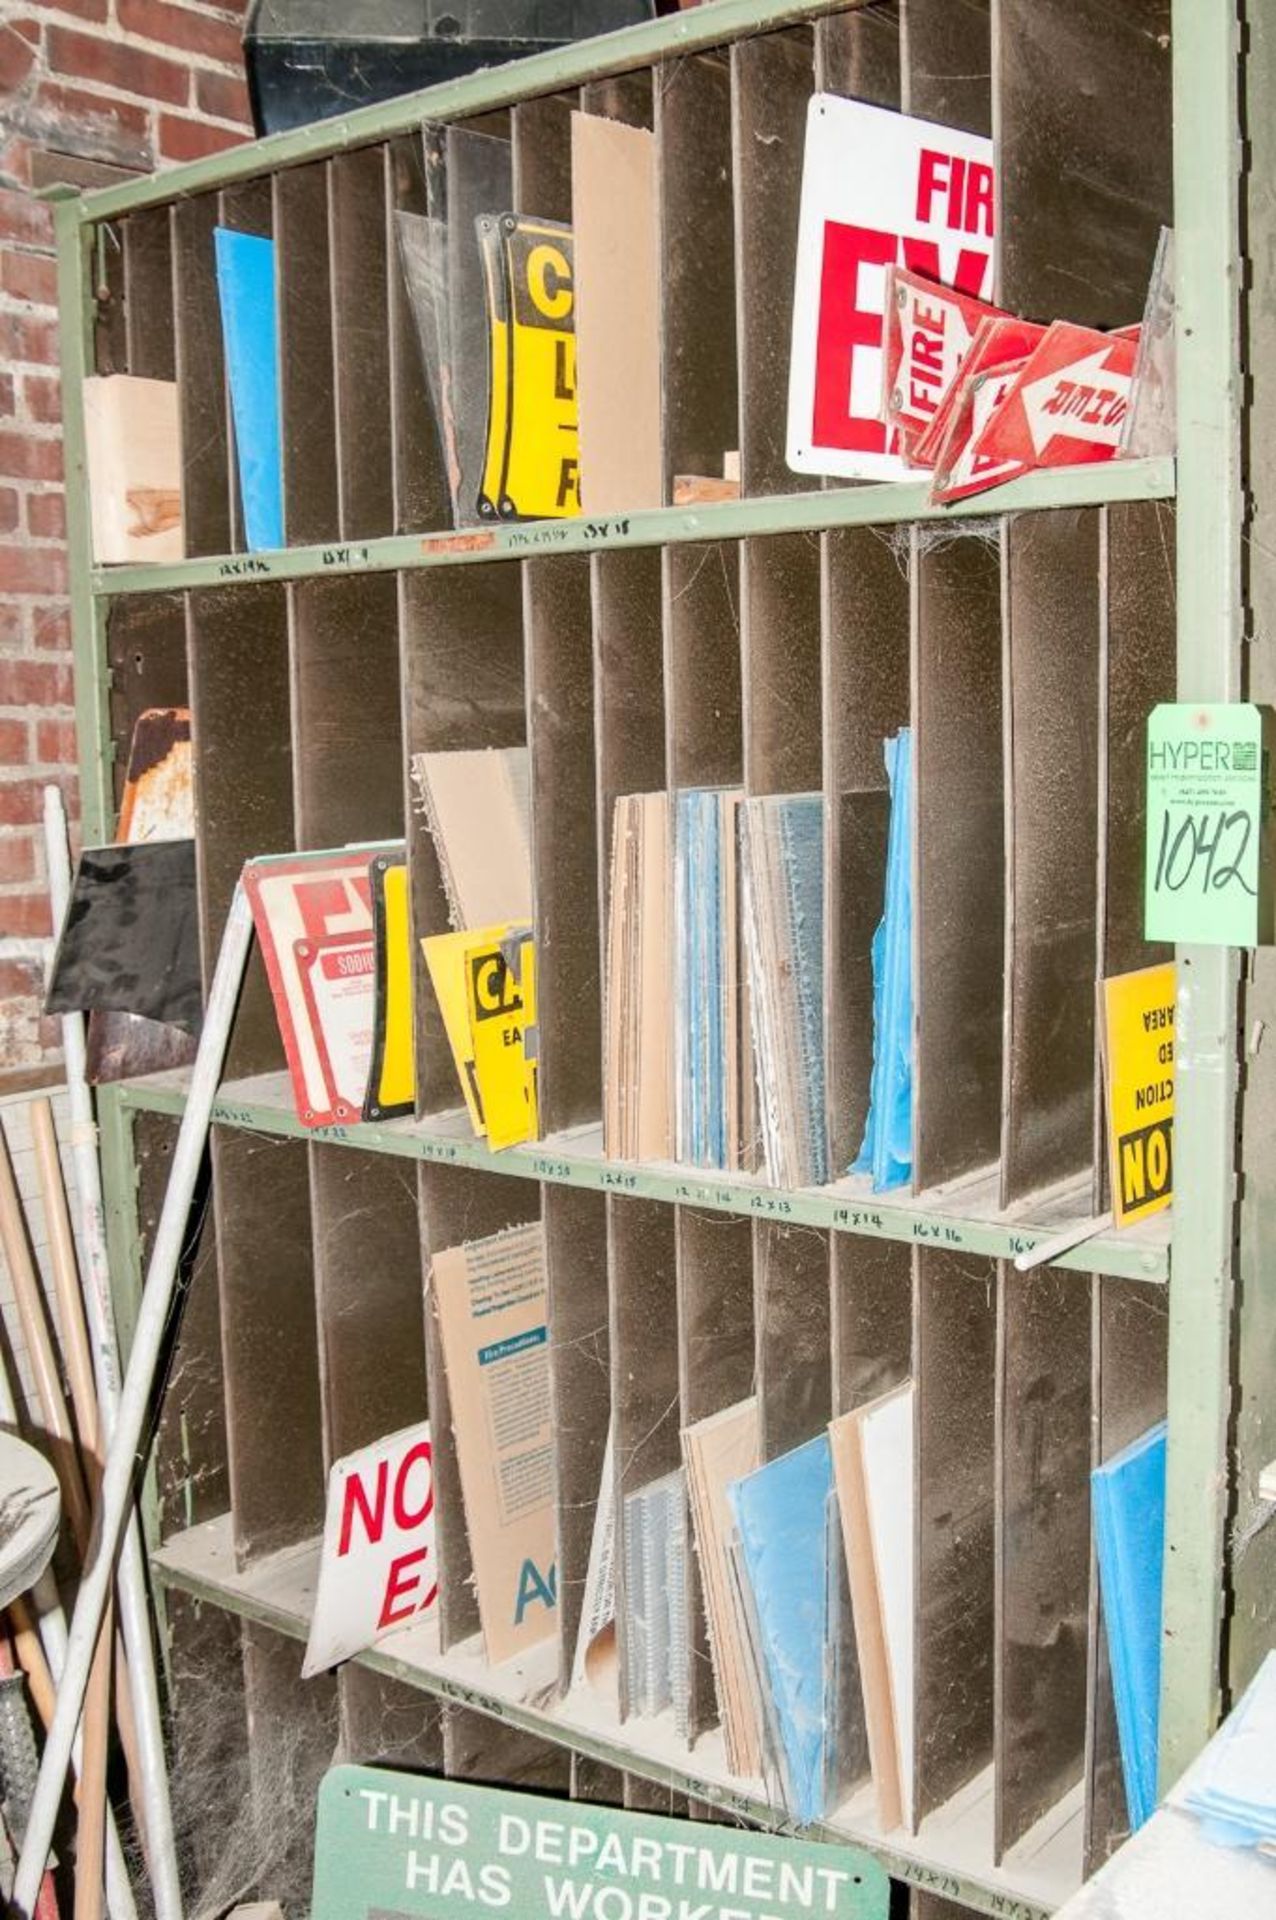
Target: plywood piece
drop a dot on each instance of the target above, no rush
(362, 387)
(697, 252)
(135, 469)
(955, 1329)
(564, 855)
(718, 1451)
(1051, 708)
(958, 905)
(368, 1281)
(1085, 155)
(1043, 1543)
(772, 77)
(617, 314)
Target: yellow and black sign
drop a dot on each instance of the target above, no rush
(531, 463)
(500, 985)
(1137, 1026)
(392, 1076)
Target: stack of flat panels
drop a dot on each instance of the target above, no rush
(636, 1066)
(708, 1025)
(657, 1664)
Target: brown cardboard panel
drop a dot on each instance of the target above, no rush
(292, 1732)
(772, 78)
(716, 1369)
(702, 664)
(190, 1448)
(955, 1336)
(200, 367)
(617, 314)
(360, 270)
(148, 294)
(947, 61)
(478, 1748)
(347, 741)
(1052, 725)
(457, 1204)
(462, 652)
(421, 497)
(560, 734)
(642, 1270)
(780, 630)
(540, 136)
(270, 1346)
(1043, 1542)
(386, 1723)
(369, 1286)
(872, 1318)
(1129, 1339)
(864, 619)
(693, 145)
(237, 648)
(791, 1318)
(307, 396)
(146, 655)
(958, 904)
(857, 54)
(1085, 155)
(580, 1384)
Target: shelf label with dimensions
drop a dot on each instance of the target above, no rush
(405, 1844)
(1208, 876)
(879, 190)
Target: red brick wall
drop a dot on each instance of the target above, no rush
(135, 84)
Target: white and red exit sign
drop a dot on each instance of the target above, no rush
(878, 189)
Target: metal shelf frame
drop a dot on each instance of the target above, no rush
(1207, 485)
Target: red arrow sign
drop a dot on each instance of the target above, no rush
(929, 331)
(1067, 406)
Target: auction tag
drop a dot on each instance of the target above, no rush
(313, 916)
(1136, 1028)
(377, 1569)
(879, 189)
(1209, 855)
(407, 1845)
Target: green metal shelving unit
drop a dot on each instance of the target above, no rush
(1206, 486)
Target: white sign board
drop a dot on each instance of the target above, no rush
(878, 189)
(377, 1569)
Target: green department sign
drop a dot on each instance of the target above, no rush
(392, 1845)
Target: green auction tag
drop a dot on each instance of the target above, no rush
(403, 1844)
(1208, 874)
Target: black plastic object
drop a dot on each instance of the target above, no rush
(130, 941)
(308, 60)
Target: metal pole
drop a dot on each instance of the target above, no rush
(121, 1460)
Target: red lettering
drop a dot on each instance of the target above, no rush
(979, 199)
(844, 328)
(932, 177)
(373, 1519)
(956, 187)
(397, 1588)
(402, 1517)
(922, 256)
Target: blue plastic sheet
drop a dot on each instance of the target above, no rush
(887, 1150)
(781, 1514)
(1128, 1494)
(246, 292)
(1233, 1785)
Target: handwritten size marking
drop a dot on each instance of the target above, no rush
(236, 569)
(551, 1169)
(233, 1116)
(858, 1218)
(344, 557)
(933, 1230)
(772, 1204)
(621, 1182)
(437, 1150)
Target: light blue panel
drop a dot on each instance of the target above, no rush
(246, 291)
(1129, 1531)
(781, 1514)
(887, 1152)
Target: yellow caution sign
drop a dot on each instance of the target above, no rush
(445, 958)
(392, 1078)
(1137, 1033)
(500, 985)
(531, 466)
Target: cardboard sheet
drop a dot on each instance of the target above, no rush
(617, 314)
(636, 1063)
(135, 469)
(718, 1451)
(478, 809)
(491, 1300)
